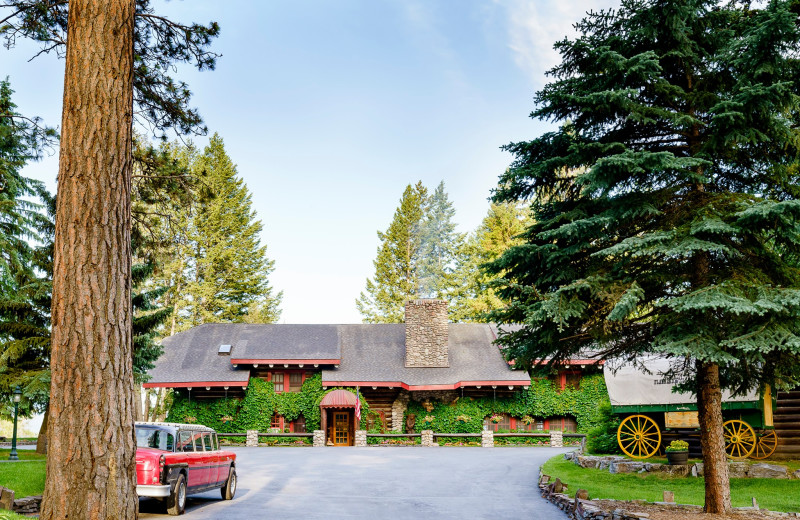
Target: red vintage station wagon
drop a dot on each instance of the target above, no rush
(176, 460)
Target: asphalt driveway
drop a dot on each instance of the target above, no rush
(378, 482)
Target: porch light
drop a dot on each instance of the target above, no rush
(271, 365)
(510, 387)
(316, 365)
(478, 386)
(285, 365)
(255, 365)
(335, 366)
(301, 365)
(208, 388)
(225, 387)
(494, 387)
(234, 366)
(374, 387)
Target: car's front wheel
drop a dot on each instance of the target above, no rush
(176, 501)
(229, 489)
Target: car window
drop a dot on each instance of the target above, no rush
(185, 441)
(207, 442)
(154, 438)
(215, 441)
(198, 441)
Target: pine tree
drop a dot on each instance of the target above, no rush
(230, 268)
(397, 274)
(24, 266)
(666, 206)
(440, 246)
(474, 295)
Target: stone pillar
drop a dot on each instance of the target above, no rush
(319, 439)
(426, 333)
(556, 439)
(399, 407)
(487, 439)
(361, 438)
(427, 438)
(252, 438)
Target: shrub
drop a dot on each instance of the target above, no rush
(602, 439)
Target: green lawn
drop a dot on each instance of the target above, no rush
(10, 515)
(773, 494)
(25, 477)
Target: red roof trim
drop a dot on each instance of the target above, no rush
(569, 362)
(242, 361)
(460, 384)
(196, 384)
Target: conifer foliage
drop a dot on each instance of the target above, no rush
(229, 279)
(666, 205)
(417, 256)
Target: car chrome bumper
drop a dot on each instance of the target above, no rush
(153, 491)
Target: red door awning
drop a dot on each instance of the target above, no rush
(339, 399)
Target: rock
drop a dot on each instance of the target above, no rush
(796, 474)
(582, 494)
(625, 467)
(669, 496)
(680, 470)
(653, 467)
(763, 470)
(6, 499)
(697, 470)
(558, 486)
(588, 462)
(737, 469)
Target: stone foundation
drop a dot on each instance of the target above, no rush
(487, 439)
(427, 438)
(361, 438)
(252, 438)
(557, 439)
(319, 439)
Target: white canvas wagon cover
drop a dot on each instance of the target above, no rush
(630, 385)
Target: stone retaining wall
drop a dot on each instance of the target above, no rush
(736, 469)
(22, 506)
(582, 508)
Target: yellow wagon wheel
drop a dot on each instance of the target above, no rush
(765, 445)
(740, 439)
(639, 437)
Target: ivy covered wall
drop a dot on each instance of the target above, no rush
(255, 410)
(542, 399)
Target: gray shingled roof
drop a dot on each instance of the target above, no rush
(377, 353)
(368, 352)
(193, 355)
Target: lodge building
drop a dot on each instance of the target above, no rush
(426, 358)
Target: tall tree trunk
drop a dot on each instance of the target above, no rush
(137, 400)
(715, 462)
(147, 395)
(91, 468)
(41, 439)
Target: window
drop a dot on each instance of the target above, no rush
(198, 441)
(300, 425)
(277, 380)
(562, 424)
(207, 445)
(572, 379)
(295, 381)
(536, 425)
(185, 441)
(153, 438)
(215, 441)
(504, 424)
(276, 422)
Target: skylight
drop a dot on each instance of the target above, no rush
(224, 350)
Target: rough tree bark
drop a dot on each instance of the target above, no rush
(41, 439)
(712, 441)
(91, 463)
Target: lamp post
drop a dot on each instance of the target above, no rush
(17, 397)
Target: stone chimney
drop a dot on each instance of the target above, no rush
(426, 333)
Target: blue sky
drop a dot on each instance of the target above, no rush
(330, 109)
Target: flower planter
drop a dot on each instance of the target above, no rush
(677, 457)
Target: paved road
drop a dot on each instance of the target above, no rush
(378, 482)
